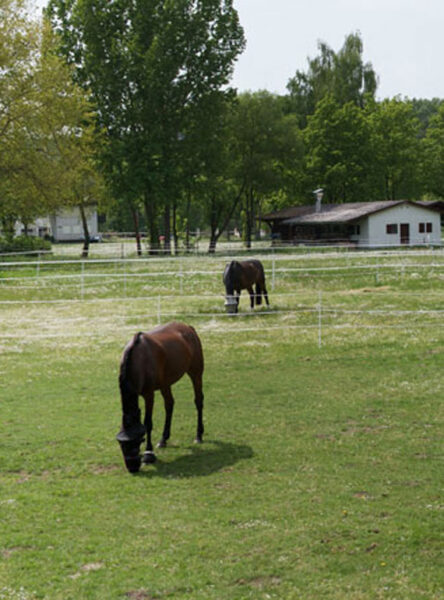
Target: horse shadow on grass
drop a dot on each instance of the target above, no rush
(199, 461)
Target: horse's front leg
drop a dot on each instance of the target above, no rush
(149, 456)
(169, 407)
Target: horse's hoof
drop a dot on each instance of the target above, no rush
(149, 458)
(161, 444)
(198, 441)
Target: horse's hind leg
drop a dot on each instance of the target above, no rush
(258, 294)
(198, 401)
(149, 456)
(264, 292)
(169, 407)
(251, 292)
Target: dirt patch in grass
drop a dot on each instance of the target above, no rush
(261, 582)
(140, 595)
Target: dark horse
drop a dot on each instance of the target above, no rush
(244, 275)
(154, 361)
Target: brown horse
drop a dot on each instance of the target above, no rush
(244, 275)
(155, 361)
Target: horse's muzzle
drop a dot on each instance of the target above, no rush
(131, 456)
(133, 463)
(231, 304)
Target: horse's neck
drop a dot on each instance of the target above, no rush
(130, 404)
(130, 417)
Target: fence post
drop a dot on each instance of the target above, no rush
(273, 267)
(124, 278)
(180, 279)
(158, 310)
(82, 281)
(320, 320)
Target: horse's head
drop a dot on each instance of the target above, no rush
(230, 279)
(130, 438)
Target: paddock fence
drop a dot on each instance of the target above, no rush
(322, 294)
(81, 274)
(319, 314)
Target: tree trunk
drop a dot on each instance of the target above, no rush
(150, 211)
(248, 216)
(86, 239)
(213, 241)
(214, 219)
(135, 215)
(8, 228)
(167, 229)
(175, 234)
(187, 225)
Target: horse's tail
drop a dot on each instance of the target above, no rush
(127, 391)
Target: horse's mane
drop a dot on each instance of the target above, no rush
(127, 355)
(129, 395)
(231, 272)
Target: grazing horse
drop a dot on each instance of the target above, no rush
(154, 361)
(244, 275)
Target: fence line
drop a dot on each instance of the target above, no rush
(272, 252)
(377, 268)
(220, 296)
(325, 326)
(320, 309)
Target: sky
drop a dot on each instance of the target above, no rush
(403, 40)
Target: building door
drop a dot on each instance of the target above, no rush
(405, 233)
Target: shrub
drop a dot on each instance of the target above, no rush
(24, 243)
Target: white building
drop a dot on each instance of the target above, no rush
(63, 226)
(66, 224)
(364, 224)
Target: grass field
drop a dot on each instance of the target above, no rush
(320, 475)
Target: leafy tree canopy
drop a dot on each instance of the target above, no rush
(343, 75)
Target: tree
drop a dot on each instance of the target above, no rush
(150, 68)
(338, 151)
(433, 155)
(396, 148)
(44, 155)
(19, 38)
(267, 147)
(425, 109)
(342, 75)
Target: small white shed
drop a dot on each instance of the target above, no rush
(66, 224)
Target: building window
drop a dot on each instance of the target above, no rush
(392, 228)
(425, 227)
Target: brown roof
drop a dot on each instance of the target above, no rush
(287, 213)
(335, 213)
(435, 204)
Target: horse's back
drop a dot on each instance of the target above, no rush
(253, 271)
(167, 352)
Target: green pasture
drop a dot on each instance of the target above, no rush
(320, 475)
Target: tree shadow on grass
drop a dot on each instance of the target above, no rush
(201, 460)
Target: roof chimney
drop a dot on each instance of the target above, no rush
(318, 194)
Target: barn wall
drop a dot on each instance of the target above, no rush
(67, 225)
(404, 213)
